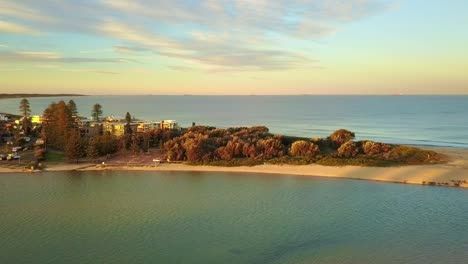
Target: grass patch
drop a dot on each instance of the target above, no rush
(357, 161)
(288, 160)
(228, 163)
(407, 155)
(54, 156)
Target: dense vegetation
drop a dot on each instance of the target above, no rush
(255, 145)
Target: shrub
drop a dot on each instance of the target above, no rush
(325, 144)
(304, 149)
(374, 148)
(348, 150)
(340, 137)
(412, 155)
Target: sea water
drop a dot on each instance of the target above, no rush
(417, 120)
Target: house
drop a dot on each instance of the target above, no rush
(89, 129)
(36, 119)
(118, 128)
(4, 117)
(169, 124)
(147, 126)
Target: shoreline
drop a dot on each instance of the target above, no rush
(452, 174)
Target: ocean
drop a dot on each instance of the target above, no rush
(181, 217)
(440, 121)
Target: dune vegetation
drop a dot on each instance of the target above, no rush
(248, 146)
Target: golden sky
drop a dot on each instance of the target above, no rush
(234, 47)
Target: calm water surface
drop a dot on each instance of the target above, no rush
(156, 217)
(418, 120)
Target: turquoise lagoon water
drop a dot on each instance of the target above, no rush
(174, 217)
(417, 120)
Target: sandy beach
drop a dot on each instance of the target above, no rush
(453, 173)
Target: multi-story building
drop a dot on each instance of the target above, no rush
(36, 119)
(169, 124)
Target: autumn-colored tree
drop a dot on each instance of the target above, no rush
(108, 144)
(272, 147)
(145, 139)
(174, 149)
(207, 143)
(92, 151)
(74, 147)
(58, 122)
(201, 148)
(249, 150)
(305, 149)
(135, 146)
(374, 148)
(340, 137)
(348, 150)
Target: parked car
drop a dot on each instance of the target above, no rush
(16, 149)
(12, 156)
(27, 139)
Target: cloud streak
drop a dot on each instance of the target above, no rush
(211, 35)
(8, 27)
(53, 57)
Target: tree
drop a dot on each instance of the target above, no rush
(128, 118)
(303, 148)
(146, 139)
(39, 152)
(92, 151)
(135, 147)
(57, 124)
(348, 150)
(340, 137)
(128, 132)
(97, 111)
(73, 109)
(26, 111)
(26, 125)
(108, 144)
(374, 148)
(25, 107)
(74, 147)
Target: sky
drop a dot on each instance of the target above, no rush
(234, 47)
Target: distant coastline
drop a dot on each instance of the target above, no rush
(26, 95)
